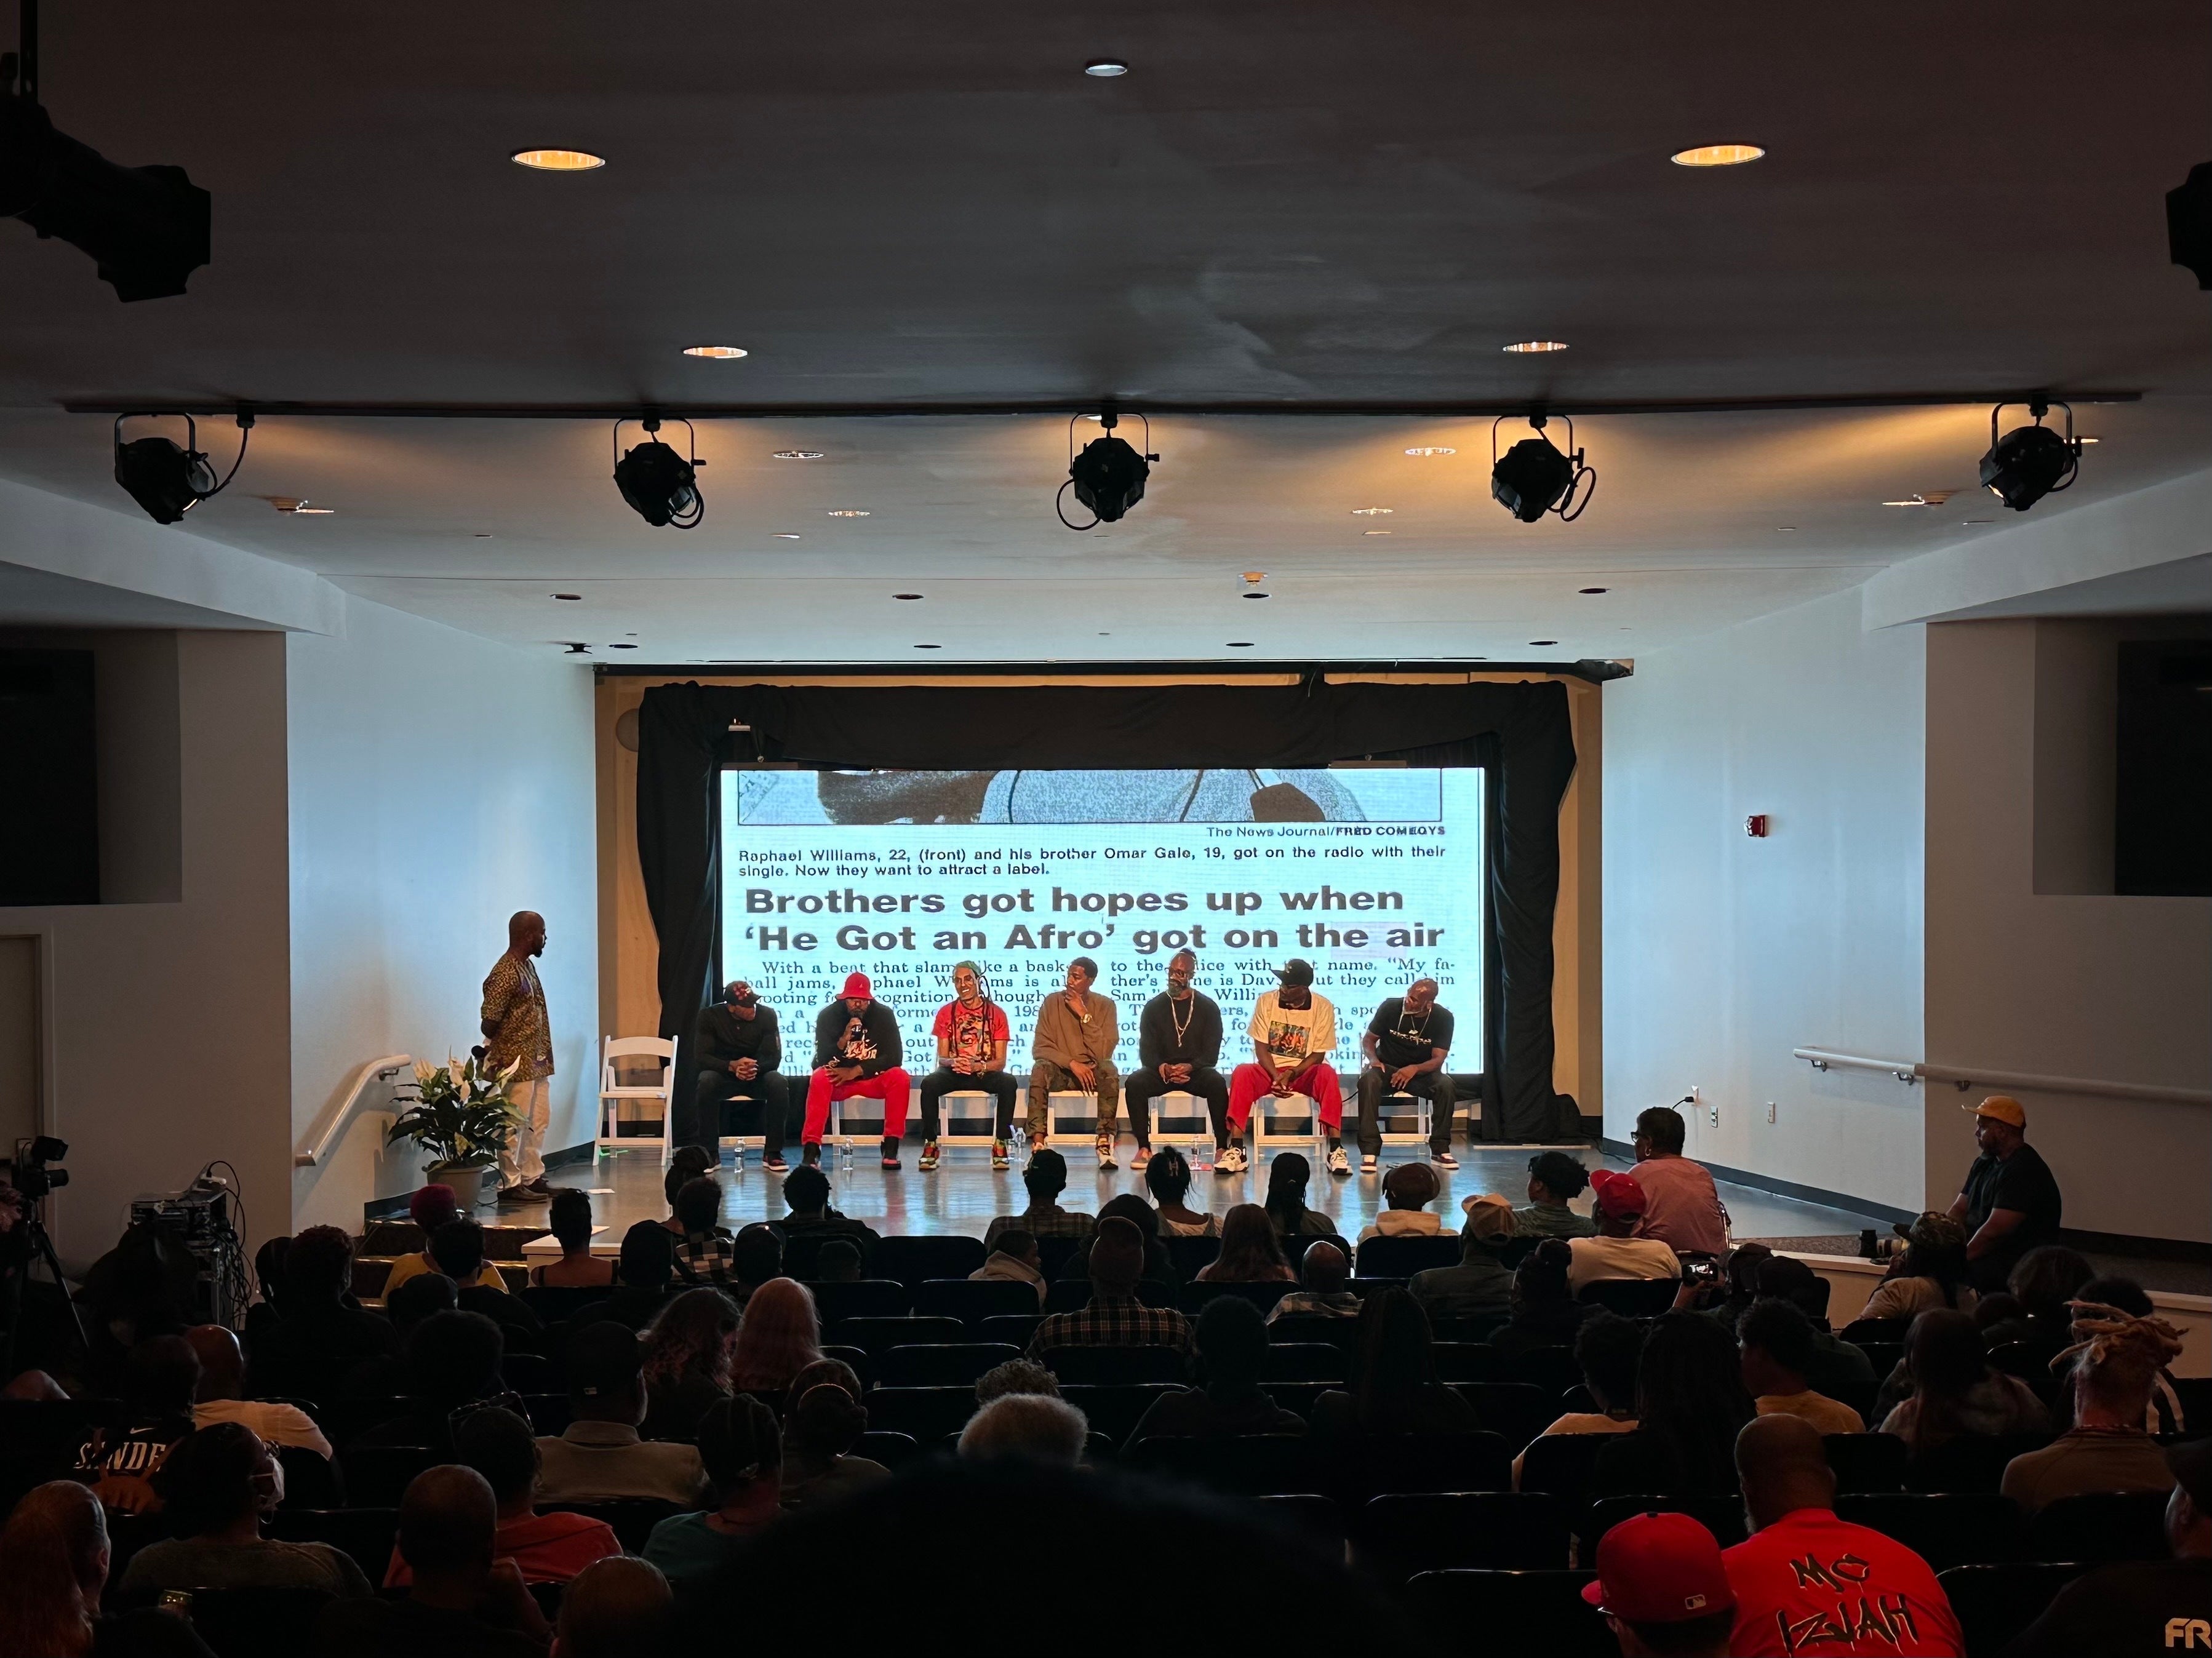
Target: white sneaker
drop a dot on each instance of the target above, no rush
(1366, 1164)
(1229, 1160)
(1337, 1163)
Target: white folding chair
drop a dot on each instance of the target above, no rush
(968, 1128)
(1061, 1108)
(612, 1094)
(1267, 1109)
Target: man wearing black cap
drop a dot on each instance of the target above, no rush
(600, 1459)
(740, 1048)
(1293, 1031)
(2161, 1607)
(1406, 1044)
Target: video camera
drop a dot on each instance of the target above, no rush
(36, 1173)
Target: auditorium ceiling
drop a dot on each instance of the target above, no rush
(1279, 205)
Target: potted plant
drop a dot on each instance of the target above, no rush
(460, 1113)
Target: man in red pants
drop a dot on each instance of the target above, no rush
(1293, 1031)
(856, 1051)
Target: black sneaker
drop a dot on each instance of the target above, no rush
(811, 1154)
(890, 1152)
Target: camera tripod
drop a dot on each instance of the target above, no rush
(42, 1250)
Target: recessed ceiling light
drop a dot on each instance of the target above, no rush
(1977, 520)
(796, 455)
(292, 508)
(1105, 68)
(1524, 347)
(1909, 500)
(619, 646)
(1717, 155)
(2088, 439)
(483, 535)
(785, 535)
(558, 160)
(1373, 512)
(848, 511)
(719, 353)
(1543, 642)
(1238, 644)
(1433, 449)
(929, 647)
(1787, 529)
(1251, 595)
(906, 596)
(1375, 533)
(572, 598)
(1593, 590)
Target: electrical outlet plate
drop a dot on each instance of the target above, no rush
(1713, 1116)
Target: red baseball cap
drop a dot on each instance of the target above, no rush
(856, 984)
(1660, 1569)
(1618, 1195)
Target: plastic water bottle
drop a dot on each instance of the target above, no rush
(1202, 1154)
(845, 1155)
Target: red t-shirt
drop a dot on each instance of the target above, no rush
(971, 1034)
(1813, 1584)
(550, 1548)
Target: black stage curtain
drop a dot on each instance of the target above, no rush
(1519, 732)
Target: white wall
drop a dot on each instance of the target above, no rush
(439, 782)
(1724, 952)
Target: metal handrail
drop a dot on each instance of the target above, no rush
(2028, 1081)
(1905, 1070)
(336, 1120)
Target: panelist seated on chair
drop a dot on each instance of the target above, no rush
(1178, 1050)
(1406, 1045)
(1293, 1032)
(971, 1054)
(739, 1047)
(857, 1051)
(1073, 1050)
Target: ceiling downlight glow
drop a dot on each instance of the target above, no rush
(1527, 347)
(1373, 512)
(847, 512)
(558, 160)
(796, 455)
(1717, 155)
(1433, 449)
(1105, 68)
(718, 353)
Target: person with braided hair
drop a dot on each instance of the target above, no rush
(971, 1036)
(2111, 1368)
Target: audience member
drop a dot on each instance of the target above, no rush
(1016, 1375)
(420, 1297)
(1555, 1179)
(614, 1608)
(688, 1351)
(1041, 1428)
(1691, 1403)
(1616, 1251)
(463, 1604)
(1541, 1313)
(223, 1375)
(703, 1248)
(320, 1333)
(1606, 1350)
(1954, 1391)
(1662, 1588)
(2043, 1282)
(686, 1165)
(1928, 1272)
(548, 1548)
(647, 1270)
(1015, 1260)
(1251, 1250)
(457, 1248)
(1807, 1582)
(741, 1449)
(1394, 1388)
(780, 1335)
(1115, 1317)
(217, 1487)
(55, 1553)
(1481, 1285)
(826, 1422)
(1046, 1178)
(2114, 1361)
(1158, 1269)
(431, 1207)
(823, 1372)
(1167, 1177)
(1776, 1340)
(838, 1261)
(811, 1222)
(452, 1360)
(2165, 1415)
(756, 1256)
(1836, 1366)
(1323, 1273)
(1738, 1286)
(1407, 1190)
(2143, 1605)
(1681, 1208)
(570, 1217)
(2010, 1203)
(160, 1378)
(1287, 1176)
(1228, 1401)
(600, 1458)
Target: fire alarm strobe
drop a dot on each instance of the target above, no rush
(1755, 826)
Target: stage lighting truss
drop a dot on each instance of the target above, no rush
(2031, 462)
(166, 481)
(1533, 477)
(1107, 477)
(661, 485)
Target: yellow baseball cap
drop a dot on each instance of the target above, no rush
(2003, 1107)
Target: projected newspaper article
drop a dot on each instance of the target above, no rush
(1373, 875)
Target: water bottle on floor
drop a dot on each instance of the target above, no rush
(1201, 1156)
(845, 1155)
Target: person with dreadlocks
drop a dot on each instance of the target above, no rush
(971, 1054)
(2110, 1369)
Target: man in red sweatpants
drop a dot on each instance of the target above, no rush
(856, 1051)
(1293, 1031)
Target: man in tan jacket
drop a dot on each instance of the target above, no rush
(1073, 1049)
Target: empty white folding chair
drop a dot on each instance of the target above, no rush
(613, 1094)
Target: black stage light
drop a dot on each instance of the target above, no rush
(1533, 477)
(146, 227)
(659, 483)
(2030, 462)
(1107, 477)
(166, 481)
(2189, 223)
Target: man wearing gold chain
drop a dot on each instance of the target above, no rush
(1178, 1049)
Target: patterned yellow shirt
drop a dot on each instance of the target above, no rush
(515, 1005)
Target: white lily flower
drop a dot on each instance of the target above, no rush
(454, 1070)
(423, 1071)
